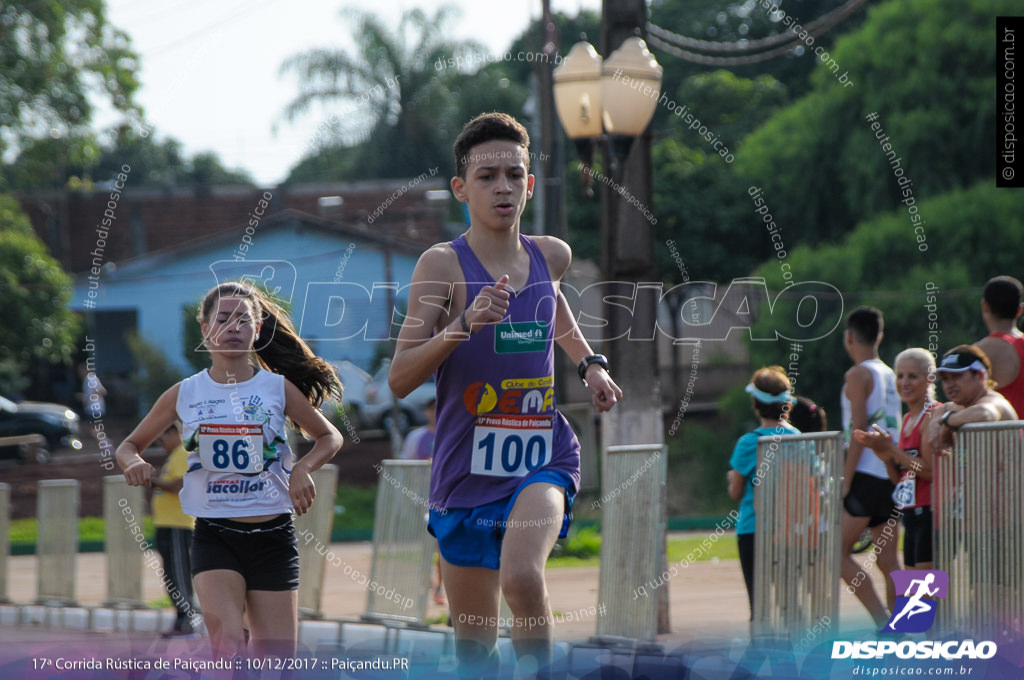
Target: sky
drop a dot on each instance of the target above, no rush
(210, 69)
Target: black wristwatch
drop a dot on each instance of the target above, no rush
(598, 359)
(945, 420)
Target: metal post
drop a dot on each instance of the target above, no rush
(5, 540)
(403, 550)
(124, 509)
(314, 530)
(57, 544)
(633, 491)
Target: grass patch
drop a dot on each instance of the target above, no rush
(678, 549)
(90, 529)
(354, 507)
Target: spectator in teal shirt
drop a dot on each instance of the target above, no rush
(771, 396)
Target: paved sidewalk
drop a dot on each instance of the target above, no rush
(708, 599)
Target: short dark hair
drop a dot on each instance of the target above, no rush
(485, 128)
(774, 381)
(866, 324)
(1003, 296)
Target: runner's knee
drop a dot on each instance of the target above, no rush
(522, 586)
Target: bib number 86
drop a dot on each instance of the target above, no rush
(226, 447)
(239, 454)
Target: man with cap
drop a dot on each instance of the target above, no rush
(964, 371)
(1000, 308)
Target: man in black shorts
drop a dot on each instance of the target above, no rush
(869, 398)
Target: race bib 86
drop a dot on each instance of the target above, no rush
(231, 448)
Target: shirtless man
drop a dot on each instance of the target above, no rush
(1000, 308)
(964, 371)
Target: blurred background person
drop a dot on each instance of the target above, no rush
(910, 462)
(419, 445)
(770, 397)
(174, 531)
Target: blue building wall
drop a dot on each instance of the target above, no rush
(328, 278)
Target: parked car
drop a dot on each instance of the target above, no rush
(376, 411)
(354, 380)
(58, 424)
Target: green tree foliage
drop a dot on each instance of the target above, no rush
(154, 374)
(162, 162)
(34, 297)
(397, 106)
(972, 235)
(529, 43)
(77, 162)
(394, 93)
(699, 202)
(927, 68)
(56, 58)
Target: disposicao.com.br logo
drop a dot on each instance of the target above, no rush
(915, 613)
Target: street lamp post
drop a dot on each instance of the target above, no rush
(613, 101)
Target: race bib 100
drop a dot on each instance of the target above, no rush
(231, 448)
(511, 445)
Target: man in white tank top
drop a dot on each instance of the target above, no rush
(869, 397)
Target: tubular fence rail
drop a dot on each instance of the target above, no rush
(797, 502)
(403, 551)
(632, 532)
(978, 510)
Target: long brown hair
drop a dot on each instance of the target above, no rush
(278, 346)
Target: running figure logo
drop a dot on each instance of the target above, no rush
(913, 613)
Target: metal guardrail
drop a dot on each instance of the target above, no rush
(57, 547)
(403, 550)
(797, 502)
(124, 509)
(317, 523)
(632, 531)
(978, 510)
(5, 540)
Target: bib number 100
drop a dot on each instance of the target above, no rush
(502, 453)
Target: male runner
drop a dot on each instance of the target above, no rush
(869, 397)
(483, 314)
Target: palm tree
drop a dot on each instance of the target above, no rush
(392, 100)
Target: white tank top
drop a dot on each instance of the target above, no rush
(239, 460)
(883, 408)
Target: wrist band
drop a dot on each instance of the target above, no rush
(945, 420)
(465, 326)
(598, 359)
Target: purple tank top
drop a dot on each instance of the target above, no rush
(496, 418)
